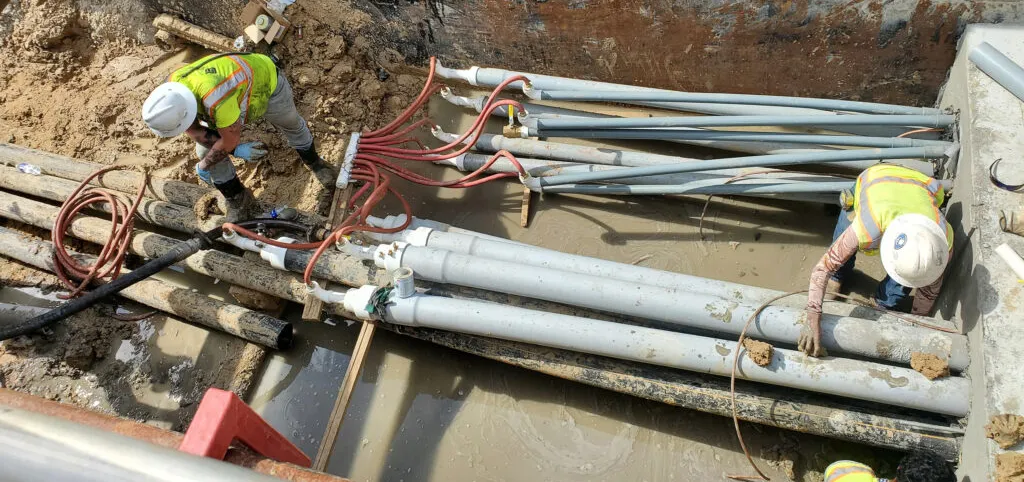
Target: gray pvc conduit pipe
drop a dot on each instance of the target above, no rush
(669, 305)
(736, 136)
(488, 77)
(774, 189)
(835, 376)
(544, 126)
(741, 99)
(616, 157)
(995, 64)
(537, 184)
(470, 162)
(548, 112)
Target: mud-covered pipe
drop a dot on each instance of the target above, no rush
(137, 286)
(834, 376)
(692, 310)
(774, 160)
(756, 403)
(764, 188)
(715, 98)
(997, 65)
(618, 157)
(126, 181)
(216, 264)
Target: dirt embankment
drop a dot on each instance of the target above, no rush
(73, 76)
(73, 84)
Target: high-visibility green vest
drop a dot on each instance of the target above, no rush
(886, 191)
(230, 87)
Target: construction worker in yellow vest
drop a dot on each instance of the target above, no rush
(918, 466)
(895, 212)
(211, 99)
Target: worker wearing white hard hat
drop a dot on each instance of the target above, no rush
(894, 212)
(211, 99)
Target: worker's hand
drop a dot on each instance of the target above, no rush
(204, 175)
(250, 151)
(810, 336)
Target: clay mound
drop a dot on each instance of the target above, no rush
(759, 351)
(929, 365)
(1006, 429)
(1010, 467)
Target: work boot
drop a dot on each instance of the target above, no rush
(832, 288)
(324, 173)
(240, 207)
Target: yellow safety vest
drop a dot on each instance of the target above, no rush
(230, 87)
(849, 471)
(886, 191)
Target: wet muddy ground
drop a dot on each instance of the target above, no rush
(422, 412)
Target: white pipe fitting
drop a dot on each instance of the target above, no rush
(405, 283)
(389, 256)
(358, 299)
(242, 242)
(418, 236)
(1012, 259)
(275, 254)
(326, 296)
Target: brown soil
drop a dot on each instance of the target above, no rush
(759, 351)
(72, 85)
(1010, 467)
(929, 365)
(1006, 429)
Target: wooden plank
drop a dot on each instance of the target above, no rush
(524, 211)
(348, 384)
(339, 208)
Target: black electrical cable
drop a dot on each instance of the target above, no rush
(177, 253)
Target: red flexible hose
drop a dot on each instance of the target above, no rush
(111, 257)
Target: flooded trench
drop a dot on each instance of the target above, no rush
(423, 412)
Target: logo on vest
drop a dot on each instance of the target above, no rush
(901, 240)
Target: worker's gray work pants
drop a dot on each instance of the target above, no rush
(282, 114)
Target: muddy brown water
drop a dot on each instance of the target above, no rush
(422, 412)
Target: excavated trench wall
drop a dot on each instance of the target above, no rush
(887, 51)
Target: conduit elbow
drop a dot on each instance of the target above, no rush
(358, 301)
(327, 296)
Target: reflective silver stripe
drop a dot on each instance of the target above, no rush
(243, 106)
(853, 469)
(864, 212)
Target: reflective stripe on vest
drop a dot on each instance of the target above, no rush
(849, 471)
(223, 90)
(866, 217)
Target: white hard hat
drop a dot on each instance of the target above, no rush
(914, 250)
(170, 109)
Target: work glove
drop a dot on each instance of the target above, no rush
(250, 151)
(204, 175)
(810, 336)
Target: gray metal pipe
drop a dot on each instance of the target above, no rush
(736, 136)
(537, 184)
(997, 65)
(668, 305)
(741, 99)
(617, 157)
(545, 126)
(835, 376)
(35, 447)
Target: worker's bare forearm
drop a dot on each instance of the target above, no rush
(227, 141)
(203, 136)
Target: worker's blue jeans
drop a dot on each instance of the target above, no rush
(889, 293)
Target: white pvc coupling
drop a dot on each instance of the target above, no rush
(275, 254)
(389, 256)
(326, 296)
(357, 301)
